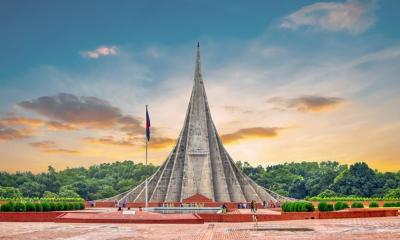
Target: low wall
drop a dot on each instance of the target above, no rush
(299, 215)
(359, 214)
(29, 216)
(209, 217)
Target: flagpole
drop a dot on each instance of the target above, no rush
(146, 167)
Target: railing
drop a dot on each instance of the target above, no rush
(166, 210)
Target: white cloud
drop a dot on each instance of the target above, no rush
(154, 52)
(101, 52)
(353, 16)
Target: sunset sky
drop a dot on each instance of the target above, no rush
(286, 80)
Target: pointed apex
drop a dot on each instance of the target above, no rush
(197, 73)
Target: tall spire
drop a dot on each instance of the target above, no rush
(199, 163)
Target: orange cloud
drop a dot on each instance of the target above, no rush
(310, 103)
(14, 121)
(155, 142)
(36, 123)
(250, 133)
(8, 133)
(43, 144)
(51, 147)
(161, 142)
(90, 112)
(61, 151)
(109, 140)
(54, 125)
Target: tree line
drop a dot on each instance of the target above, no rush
(297, 180)
(96, 182)
(328, 178)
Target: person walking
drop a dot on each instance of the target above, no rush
(253, 206)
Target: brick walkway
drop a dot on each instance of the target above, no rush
(138, 217)
(343, 229)
(346, 229)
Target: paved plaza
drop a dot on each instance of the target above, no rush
(367, 228)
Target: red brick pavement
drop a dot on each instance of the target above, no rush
(387, 228)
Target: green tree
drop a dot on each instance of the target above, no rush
(49, 179)
(359, 180)
(327, 193)
(289, 179)
(298, 188)
(48, 194)
(67, 193)
(107, 191)
(32, 189)
(10, 192)
(393, 193)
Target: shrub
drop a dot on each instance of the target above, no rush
(286, 207)
(53, 206)
(357, 205)
(30, 207)
(77, 206)
(60, 206)
(325, 207)
(82, 206)
(7, 207)
(45, 206)
(19, 207)
(300, 207)
(388, 204)
(69, 206)
(341, 206)
(38, 207)
(391, 204)
(373, 204)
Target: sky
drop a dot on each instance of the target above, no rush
(287, 81)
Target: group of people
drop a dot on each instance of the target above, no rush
(253, 205)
